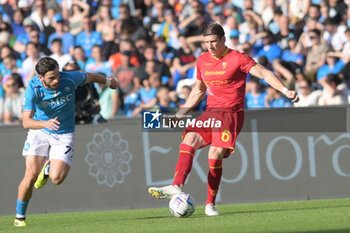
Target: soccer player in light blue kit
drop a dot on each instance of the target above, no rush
(48, 113)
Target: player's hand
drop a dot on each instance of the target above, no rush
(293, 96)
(114, 83)
(53, 124)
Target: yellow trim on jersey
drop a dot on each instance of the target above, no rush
(217, 58)
(183, 151)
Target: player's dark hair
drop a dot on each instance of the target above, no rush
(214, 29)
(45, 65)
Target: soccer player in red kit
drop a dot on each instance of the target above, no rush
(221, 72)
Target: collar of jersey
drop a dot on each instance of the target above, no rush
(217, 58)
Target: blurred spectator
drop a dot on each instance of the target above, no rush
(165, 53)
(16, 25)
(57, 54)
(14, 99)
(334, 91)
(97, 63)
(109, 102)
(255, 98)
(140, 46)
(28, 66)
(291, 63)
(8, 66)
(5, 38)
(79, 57)
(334, 34)
(164, 104)
(39, 15)
(184, 63)
(229, 26)
(60, 33)
(88, 37)
(337, 8)
(314, 12)
(282, 37)
(270, 49)
(23, 39)
(147, 95)
(125, 14)
(251, 20)
(130, 30)
(315, 53)
(79, 11)
(275, 99)
(155, 22)
(306, 95)
(298, 9)
(106, 23)
(159, 69)
(125, 74)
(194, 32)
(267, 11)
(234, 40)
(116, 59)
(169, 29)
(218, 15)
(333, 66)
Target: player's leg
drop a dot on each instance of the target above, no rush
(215, 156)
(61, 154)
(59, 170)
(25, 188)
(192, 142)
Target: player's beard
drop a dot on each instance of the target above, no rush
(49, 86)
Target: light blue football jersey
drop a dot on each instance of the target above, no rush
(59, 103)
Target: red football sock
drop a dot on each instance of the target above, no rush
(214, 177)
(184, 164)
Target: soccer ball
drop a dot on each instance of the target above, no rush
(182, 205)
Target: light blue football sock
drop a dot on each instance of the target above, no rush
(21, 208)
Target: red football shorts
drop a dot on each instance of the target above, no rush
(226, 135)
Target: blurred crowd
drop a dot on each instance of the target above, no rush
(151, 47)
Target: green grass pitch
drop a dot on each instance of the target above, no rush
(327, 216)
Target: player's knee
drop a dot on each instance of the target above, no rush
(57, 179)
(31, 178)
(194, 140)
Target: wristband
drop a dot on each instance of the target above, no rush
(285, 90)
(108, 82)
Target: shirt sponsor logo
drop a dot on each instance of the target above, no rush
(218, 82)
(219, 72)
(60, 100)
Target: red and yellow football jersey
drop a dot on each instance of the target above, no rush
(225, 78)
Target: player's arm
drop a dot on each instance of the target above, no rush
(198, 92)
(261, 72)
(30, 123)
(99, 78)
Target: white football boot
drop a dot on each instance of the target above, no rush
(166, 192)
(210, 210)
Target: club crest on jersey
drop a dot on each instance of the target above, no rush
(224, 64)
(55, 93)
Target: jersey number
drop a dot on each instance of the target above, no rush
(225, 136)
(68, 149)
